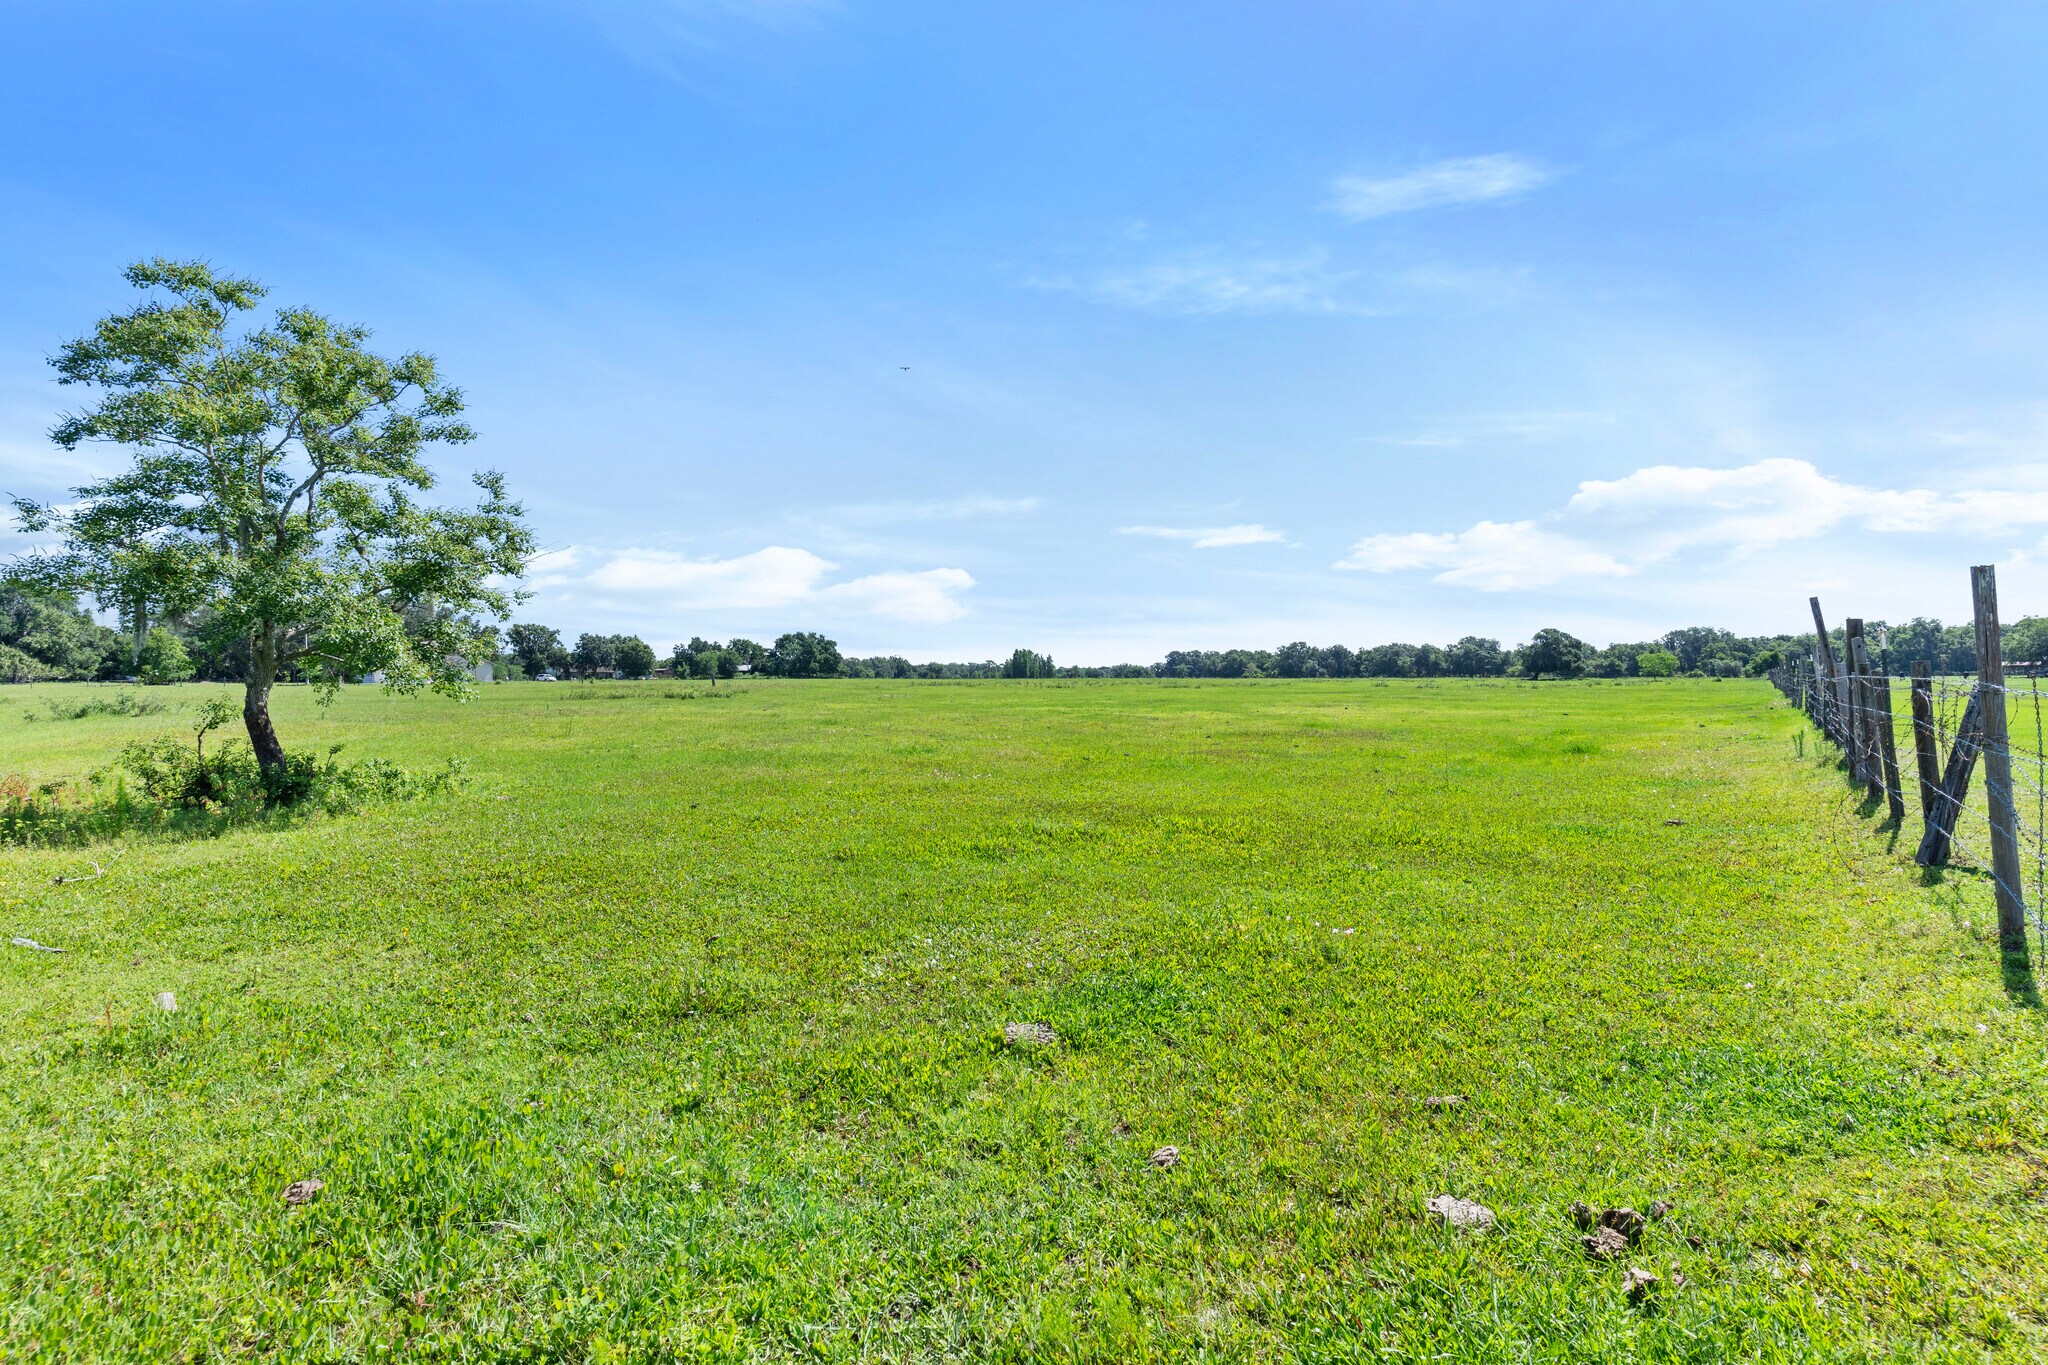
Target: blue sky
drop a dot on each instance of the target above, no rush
(1113, 328)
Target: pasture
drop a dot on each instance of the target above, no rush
(679, 1035)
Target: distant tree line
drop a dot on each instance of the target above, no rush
(534, 650)
(48, 635)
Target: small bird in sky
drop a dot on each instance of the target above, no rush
(902, 367)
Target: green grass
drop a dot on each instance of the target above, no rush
(679, 1035)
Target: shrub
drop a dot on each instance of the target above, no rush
(122, 703)
(164, 784)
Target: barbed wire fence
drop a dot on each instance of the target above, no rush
(1957, 726)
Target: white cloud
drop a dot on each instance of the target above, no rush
(1213, 282)
(1212, 537)
(1207, 282)
(929, 597)
(661, 584)
(1658, 515)
(1461, 180)
(771, 577)
(1492, 556)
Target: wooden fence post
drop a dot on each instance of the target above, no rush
(1880, 746)
(1955, 784)
(2005, 843)
(1859, 718)
(1926, 756)
(1888, 746)
(1824, 664)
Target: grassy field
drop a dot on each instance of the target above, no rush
(679, 1035)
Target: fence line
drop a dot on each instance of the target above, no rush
(1997, 825)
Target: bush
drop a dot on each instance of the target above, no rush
(1656, 663)
(120, 704)
(165, 784)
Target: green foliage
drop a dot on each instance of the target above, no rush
(802, 654)
(1026, 663)
(163, 659)
(1762, 662)
(19, 667)
(44, 634)
(1656, 663)
(122, 703)
(690, 1046)
(1554, 653)
(2025, 640)
(274, 485)
(633, 656)
(167, 784)
(538, 649)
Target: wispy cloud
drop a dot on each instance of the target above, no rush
(929, 597)
(662, 35)
(1212, 537)
(933, 509)
(1657, 516)
(1461, 180)
(1214, 282)
(1496, 426)
(662, 583)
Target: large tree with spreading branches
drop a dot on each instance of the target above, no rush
(274, 482)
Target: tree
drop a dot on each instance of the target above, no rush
(2026, 640)
(62, 641)
(1555, 652)
(537, 649)
(1387, 661)
(1763, 661)
(804, 654)
(274, 480)
(1296, 660)
(1476, 656)
(163, 658)
(1656, 663)
(1696, 643)
(632, 656)
(1028, 663)
(745, 651)
(593, 654)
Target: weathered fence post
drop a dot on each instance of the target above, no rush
(1925, 745)
(2005, 843)
(1858, 665)
(1880, 745)
(1824, 665)
(1955, 783)
(1888, 746)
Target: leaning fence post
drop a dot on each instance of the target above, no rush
(1925, 745)
(2005, 843)
(1955, 783)
(1824, 661)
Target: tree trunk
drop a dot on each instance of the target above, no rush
(256, 704)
